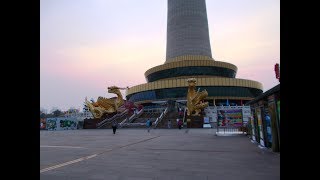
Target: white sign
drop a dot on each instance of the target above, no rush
(246, 113)
(206, 120)
(211, 112)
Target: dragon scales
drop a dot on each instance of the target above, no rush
(104, 105)
(195, 98)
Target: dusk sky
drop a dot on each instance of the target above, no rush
(88, 45)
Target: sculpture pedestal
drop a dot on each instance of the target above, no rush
(90, 123)
(195, 121)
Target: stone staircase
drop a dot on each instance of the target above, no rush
(118, 117)
(145, 116)
(108, 124)
(105, 121)
(163, 124)
(140, 122)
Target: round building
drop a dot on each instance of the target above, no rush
(188, 54)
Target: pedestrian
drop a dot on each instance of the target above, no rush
(177, 121)
(180, 124)
(114, 126)
(149, 124)
(169, 124)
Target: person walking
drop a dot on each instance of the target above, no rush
(149, 124)
(114, 126)
(169, 124)
(180, 123)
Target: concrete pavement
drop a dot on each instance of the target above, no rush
(161, 154)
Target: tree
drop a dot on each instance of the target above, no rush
(73, 110)
(43, 113)
(57, 113)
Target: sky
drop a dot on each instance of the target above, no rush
(88, 45)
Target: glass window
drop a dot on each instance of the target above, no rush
(190, 71)
(182, 92)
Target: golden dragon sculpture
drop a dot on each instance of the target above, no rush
(195, 99)
(104, 105)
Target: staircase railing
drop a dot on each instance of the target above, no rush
(184, 115)
(135, 115)
(102, 123)
(158, 120)
(122, 122)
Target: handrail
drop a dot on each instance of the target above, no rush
(140, 112)
(161, 115)
(123, 121)
(160, 118)
(184, 115)
(107, 119)
(131, 117)
(112, 118)
(156, 122)
(135, 115)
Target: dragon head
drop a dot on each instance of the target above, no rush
(114, 89)
(192, 81)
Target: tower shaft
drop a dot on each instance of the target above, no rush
(187, 29)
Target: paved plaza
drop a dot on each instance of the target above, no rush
(162, 154)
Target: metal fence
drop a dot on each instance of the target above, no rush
(230, 129)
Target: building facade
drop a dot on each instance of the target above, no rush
(188, 54)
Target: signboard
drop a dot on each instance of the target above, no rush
(253, 128)
(268, 125)
(237, 115)
(246, 114)
(260, 127)
(206, 120)
(211, 113)
(230, 118)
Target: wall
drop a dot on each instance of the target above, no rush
(61, 123)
